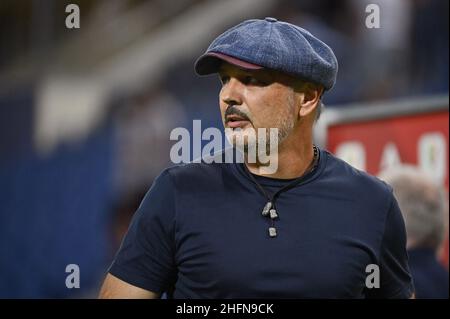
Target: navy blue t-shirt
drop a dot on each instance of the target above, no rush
(199, 233)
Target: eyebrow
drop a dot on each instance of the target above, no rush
(222, 69)
(268, 75)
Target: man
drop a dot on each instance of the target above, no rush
(307, 230)
(424, 208)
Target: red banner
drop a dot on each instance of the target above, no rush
(418, 139)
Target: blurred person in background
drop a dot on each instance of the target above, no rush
(425, 210)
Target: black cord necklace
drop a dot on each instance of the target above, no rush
(269, 209)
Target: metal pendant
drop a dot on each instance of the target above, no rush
(273, 213)
(266, 209)
(272, 232)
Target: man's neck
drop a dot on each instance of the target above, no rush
(293, 161)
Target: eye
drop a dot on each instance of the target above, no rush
(250, 80)
(224, 79)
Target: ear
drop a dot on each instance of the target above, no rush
(311, 97)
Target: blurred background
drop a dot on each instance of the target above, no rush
(86, 113)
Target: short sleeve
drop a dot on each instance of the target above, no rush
(395, 277)
(146, 256)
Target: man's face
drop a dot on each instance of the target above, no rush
(253, 99)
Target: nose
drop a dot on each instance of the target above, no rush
(232, 92)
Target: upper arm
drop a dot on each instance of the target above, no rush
(396, 280)
(146, 258)
(114, 288)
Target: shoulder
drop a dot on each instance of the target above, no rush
(209, 171)
(344, 177)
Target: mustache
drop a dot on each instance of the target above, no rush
(232, 110)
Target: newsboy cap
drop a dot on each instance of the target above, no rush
(272, 44)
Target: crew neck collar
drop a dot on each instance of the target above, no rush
(270, 181)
